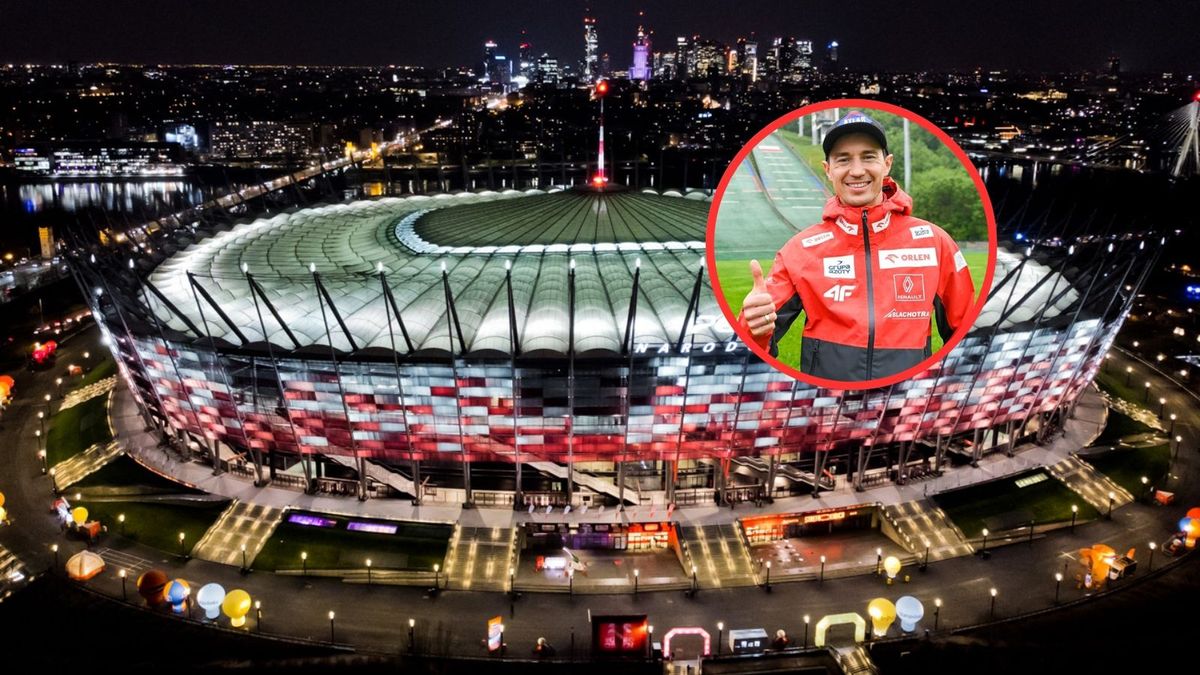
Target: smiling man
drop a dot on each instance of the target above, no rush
(869, 277)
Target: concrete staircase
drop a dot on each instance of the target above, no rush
(720, 555)
(74, 469)
(479, 558)
(242, 524)
(918, 522)
(1090, 484)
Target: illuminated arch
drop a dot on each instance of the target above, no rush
(860, 626)
(687, 631)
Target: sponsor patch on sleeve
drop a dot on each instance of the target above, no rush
(921, 232)
(960, 261)
(816, 239)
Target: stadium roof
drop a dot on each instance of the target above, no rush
(472, 236)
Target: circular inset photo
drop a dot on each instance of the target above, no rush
(851, 243)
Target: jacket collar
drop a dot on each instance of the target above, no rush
(849, 218)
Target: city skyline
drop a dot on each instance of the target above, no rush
(1065, 36)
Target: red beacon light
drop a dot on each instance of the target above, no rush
(599, 180)
(602, 87)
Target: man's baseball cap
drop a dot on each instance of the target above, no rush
(854, 122)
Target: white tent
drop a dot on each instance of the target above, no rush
(84, 565)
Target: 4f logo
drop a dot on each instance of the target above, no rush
(840, 292)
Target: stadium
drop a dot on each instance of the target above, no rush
(563, 347)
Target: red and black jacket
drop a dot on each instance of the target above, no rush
(869, 280)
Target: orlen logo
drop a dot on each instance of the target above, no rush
(841, 267)
(907, 257)
(840, 292)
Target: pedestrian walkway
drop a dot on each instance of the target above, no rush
(395, 480)
(238, 534)
(927, 526)
(12, 572)
(586, 480)
(120, 560)
(1095, 488)
(480, 559)
(74, 469)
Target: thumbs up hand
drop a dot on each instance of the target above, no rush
(758, 309)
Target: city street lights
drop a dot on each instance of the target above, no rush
(1057, 585)
(1150, 565)
(1145, 487)
(878, 561)
(983, 551)
(58, 387)
(1128, 374)
(243, 558)
(512, 581)
(54, 549)
(1074, 515)
(42, 458)
(332, 635)
(1111, 498)
(925, 562)
(806, 620)
(822, 569)
(767, 586)
(636, 574)
(258, 615)
(124, 587)
(368, 571)
(1172, 429)
(437, 576)
(570, 581)
(992, 614)
(937, 611)
(1146, 397)
(121, 523)
(42, 420)
(304, 562)
(182, 552)
(412, 643)
(1162, 404)
(720, 635)
(693, 581)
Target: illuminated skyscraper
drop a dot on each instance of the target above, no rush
(547, 70)
(591, 47)
(683, 58)
(640, 70)
(526, 64)
(831, 55)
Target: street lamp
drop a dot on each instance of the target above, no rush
(822, 569)
(258, 615)
(124, 589)
(332, 635)
(993, 610)
(368, 571)
(878, 561)
(1162, 402)
(806, 620)
(54, 548)
(42, 420)
(1128, 374)
(437, 576)
(570, 581)
(58, 387)
(720, 634)
(1172, 429)
(767, 586)
(182, 553)
(42, 458)
(1074, 515)
(1111, 498)
(412, 643)
(512, 584)
(1146, 397)
(243, 558)
(304, 562)
(937, 611)
(636, 573)
(983, 551)
(1057, 585)
(693, 580)
(925, 562)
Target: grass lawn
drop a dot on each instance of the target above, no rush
(123, 472)
(104, 367)
(736, 283)
(158, 524)
(1114, 385)
(1001, 505)
(1127, 466)
(414, 546)
(1119, 426)
(72, 430)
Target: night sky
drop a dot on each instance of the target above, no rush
(1149, 35)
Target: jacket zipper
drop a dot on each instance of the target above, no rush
(870, 299)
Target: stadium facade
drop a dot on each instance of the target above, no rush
(561, 343)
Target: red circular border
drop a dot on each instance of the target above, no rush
(972, 314)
